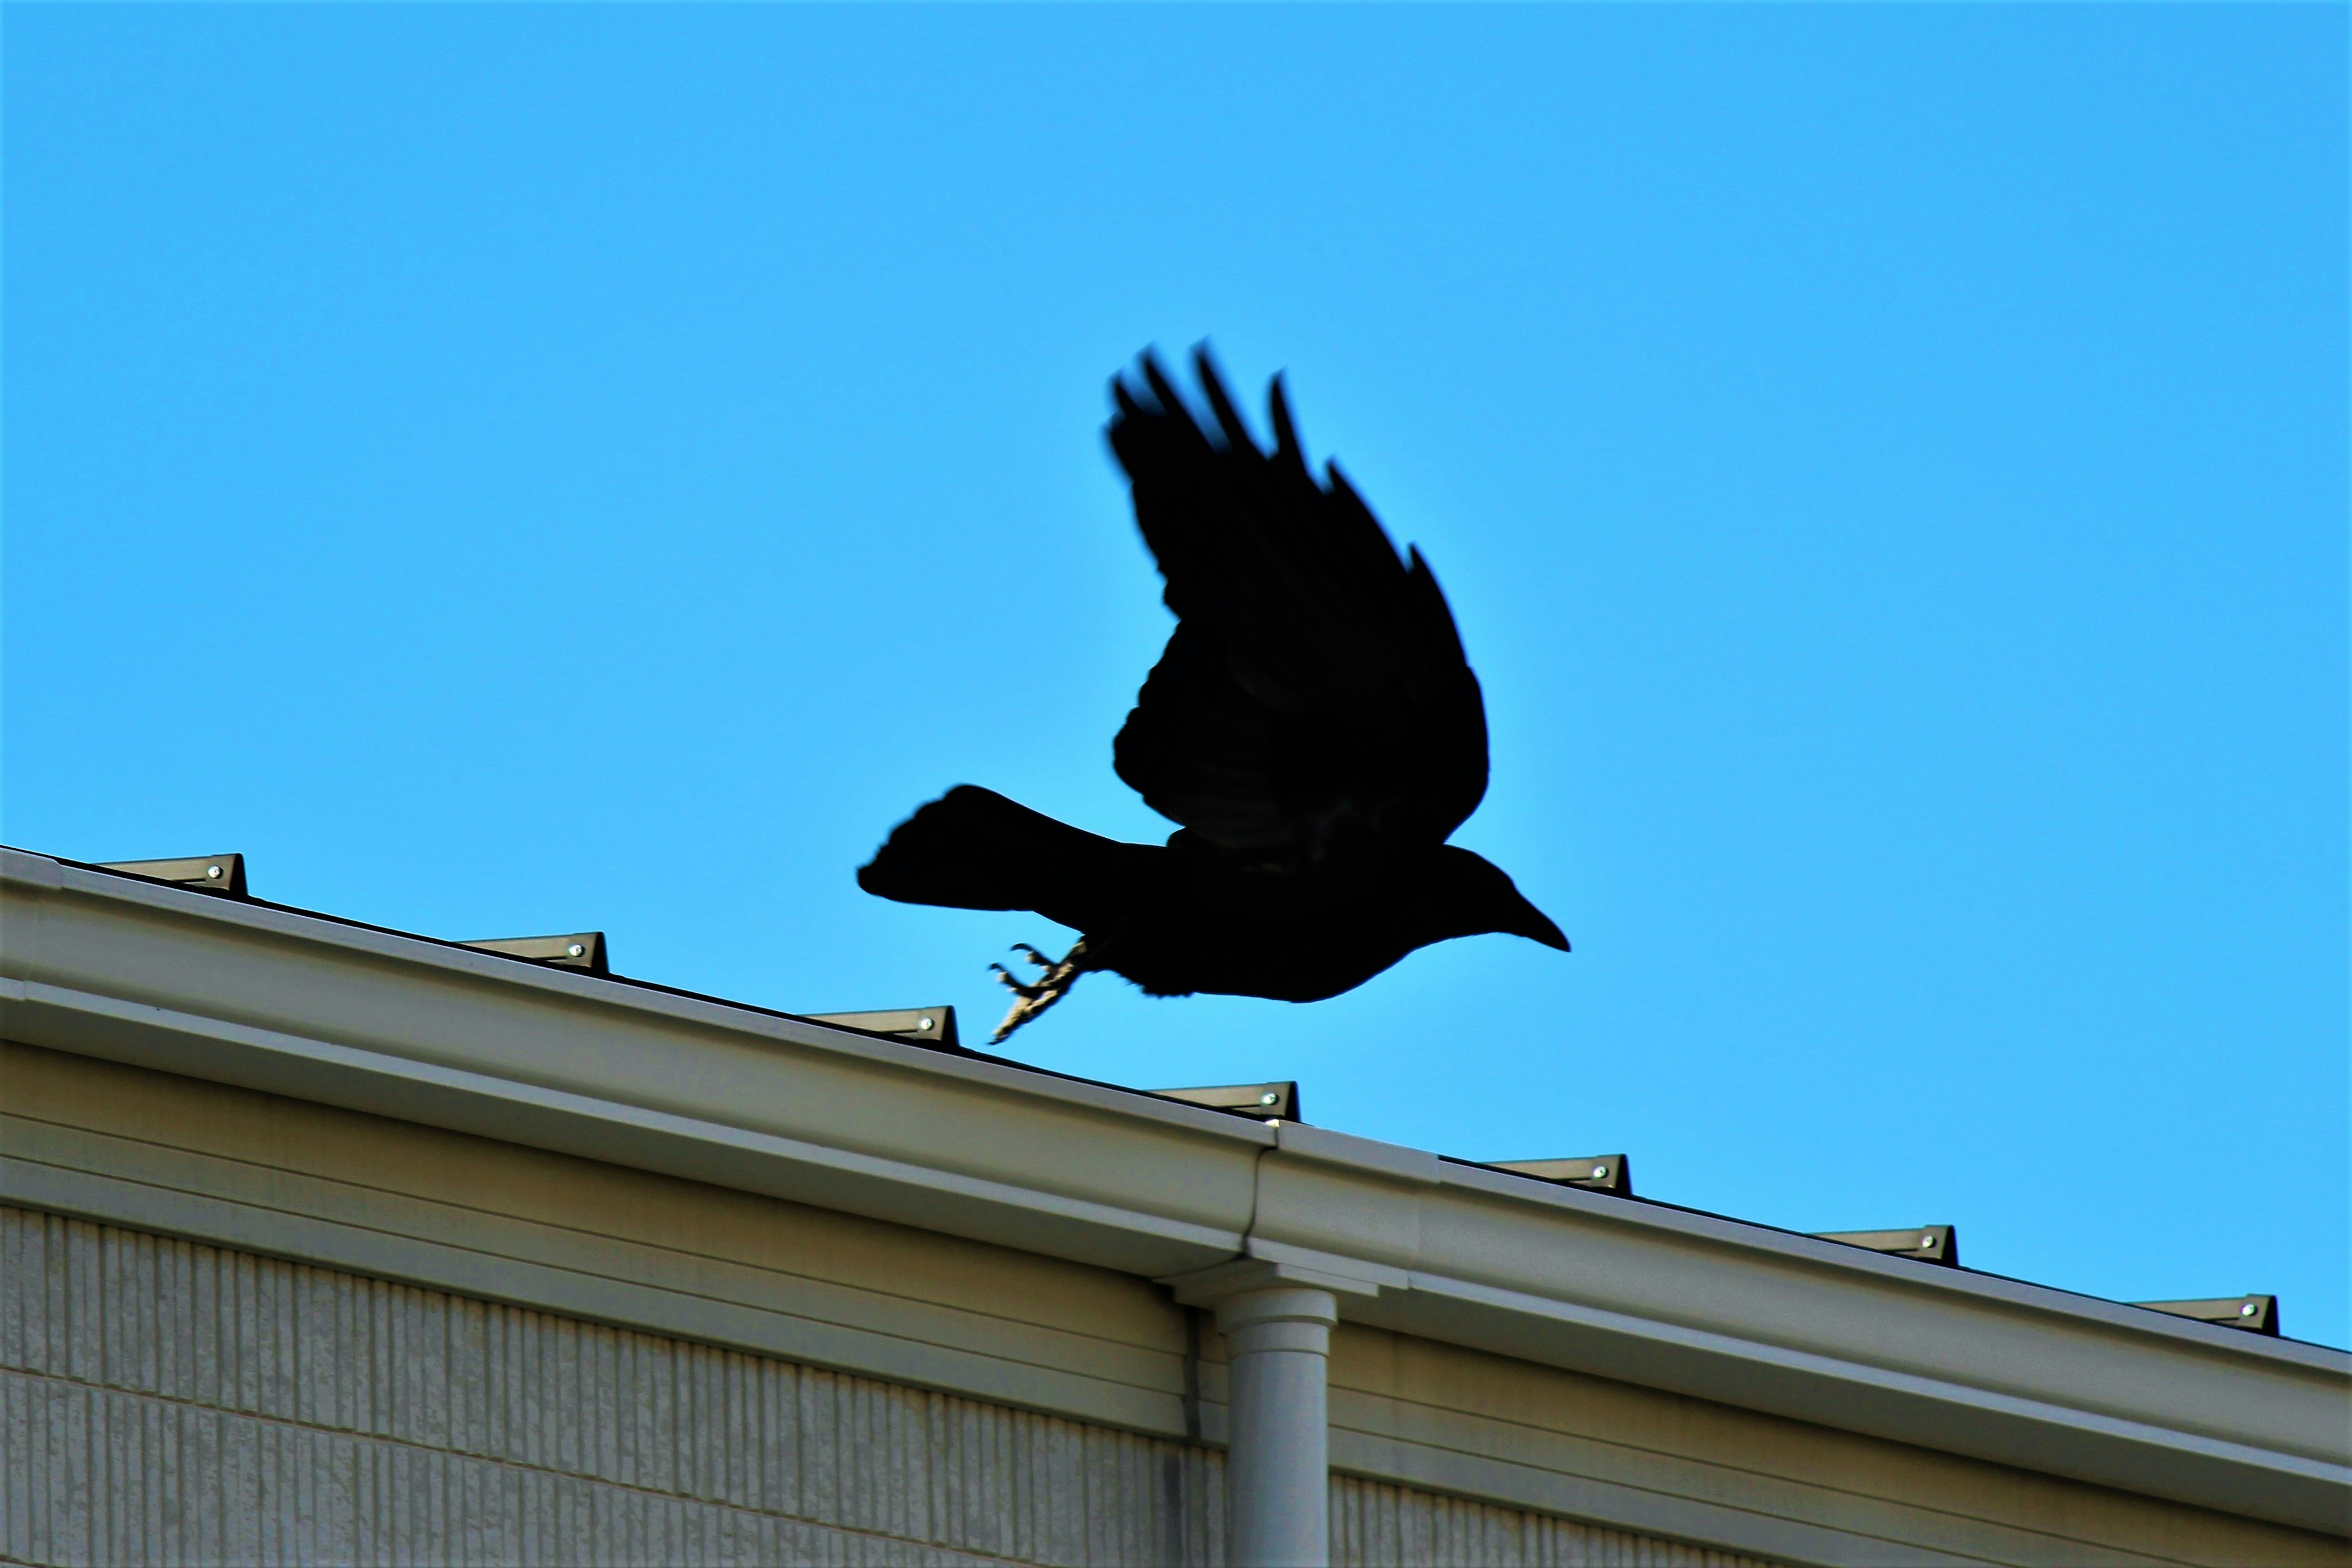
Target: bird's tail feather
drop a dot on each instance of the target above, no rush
(973, 849)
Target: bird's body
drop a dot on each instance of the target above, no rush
(1189, 916)
(1313, 726)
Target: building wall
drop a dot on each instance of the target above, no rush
(165, 1401)
(1096, 1350)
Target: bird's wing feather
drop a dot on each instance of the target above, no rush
(1315, 688)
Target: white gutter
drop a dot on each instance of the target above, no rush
(305, 1006)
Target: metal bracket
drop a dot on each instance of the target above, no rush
(923, 1025)
(1928, 1243)
(1611, 1173)
(2255, 1314)
(221, 874)
(1276, 1101)
(583, 951)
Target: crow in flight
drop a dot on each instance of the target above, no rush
(1313, 727)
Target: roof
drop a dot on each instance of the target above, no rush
(306, 1005)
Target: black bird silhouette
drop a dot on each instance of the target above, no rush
(1313, 727)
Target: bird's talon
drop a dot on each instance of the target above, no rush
(1060, 974)
(1014, 984)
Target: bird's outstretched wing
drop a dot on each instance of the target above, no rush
(1315, 696)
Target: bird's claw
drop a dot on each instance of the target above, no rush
(1014, 984)
(1054, 984)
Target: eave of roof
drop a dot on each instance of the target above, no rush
(352, 1015)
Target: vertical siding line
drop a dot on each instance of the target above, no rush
(160, 1485)
(205, 1325)
(84, 1332)
(17, 1480)
(894, 1470)
(743, 1433)
(380, 1386)
(651, 1470)
(282, 1337)
(567, 1434)
(697, 1406)
(461, 1373)
(767, 1440)
(671, 1395)
(53, 1295)
(301, 1354)
(368, 1456)
(406, 1499)
(789, 1440)
(294, 1481)
(147, 1304)
(817, 1444)
(409, 1404)
(493, 1439)
(242, 1354)
(344, 1458)
(526, 1443)
(438, 1525)
(176, 1324)
(547, 1383)
(623, 1397)
(69, 1464)
(15, 1271)
(351, 1342)
(108, 1322)
(586, 1440)
(692, 1366)
(867, 1477)
(103, 1486)
(182, 1483)
(700, 1419)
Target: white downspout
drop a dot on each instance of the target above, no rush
(1277, 1458)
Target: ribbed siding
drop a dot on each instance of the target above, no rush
(162, 1401)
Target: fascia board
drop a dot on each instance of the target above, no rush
(1737, 1313)
(139, 1034)
(1849, 1263)
(1707, 1273)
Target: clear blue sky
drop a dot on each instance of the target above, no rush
(520, 470)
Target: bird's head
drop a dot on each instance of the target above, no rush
(1475, 896)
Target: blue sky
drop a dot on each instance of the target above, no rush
(520, 470)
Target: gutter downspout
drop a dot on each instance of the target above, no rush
(1277, 1313)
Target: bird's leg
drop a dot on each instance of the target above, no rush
(1028, 1001)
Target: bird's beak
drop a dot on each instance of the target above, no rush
(1535, 926)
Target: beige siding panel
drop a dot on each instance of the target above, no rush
(166, 1401)
(162, 1400)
